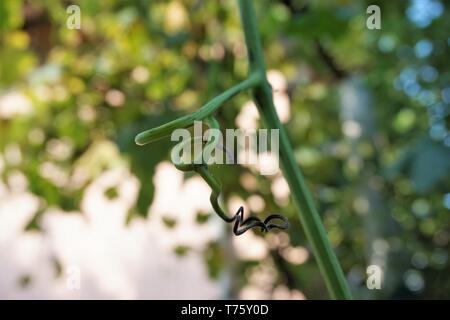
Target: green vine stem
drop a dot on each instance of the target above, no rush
(204, 112)
(262, 93)
(309, 217)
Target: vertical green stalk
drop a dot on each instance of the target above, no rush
(309, 217)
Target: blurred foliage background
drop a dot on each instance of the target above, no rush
(367, 112)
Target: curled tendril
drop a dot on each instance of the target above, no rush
(241, 225)
(205, 113)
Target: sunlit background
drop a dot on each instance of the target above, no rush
(85, 213)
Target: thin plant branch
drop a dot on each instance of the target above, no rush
(307, 213)
(262, 93)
